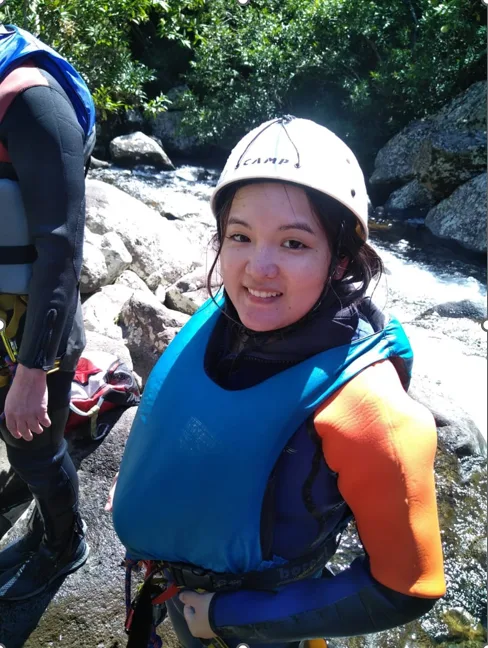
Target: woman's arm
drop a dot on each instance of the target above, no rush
(382, 445)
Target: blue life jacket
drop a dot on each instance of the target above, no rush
(18, 46)
(198, 458)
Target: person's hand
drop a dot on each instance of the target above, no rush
(26, 404)
(110, 499)
(196, 613)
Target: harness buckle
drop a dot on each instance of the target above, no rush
(190, 577)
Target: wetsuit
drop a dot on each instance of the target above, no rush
(367, 453)
(43, 147)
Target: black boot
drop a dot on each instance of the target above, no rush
(20, 550)
(63, 550)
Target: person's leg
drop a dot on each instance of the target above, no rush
(45, 465)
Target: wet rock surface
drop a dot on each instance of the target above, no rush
(462, 216)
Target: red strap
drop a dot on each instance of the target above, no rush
(171, 591)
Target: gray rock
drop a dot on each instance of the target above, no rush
(178, 302)
(97, 342)
(198, 297)
(131, 280)
(462, 216)
(137, 148)
(448, 159)
(463, 308)
(466, 111)
(411, 195)
(117, 256)
(155, 244)
(394, 163)
(160, 293)
(148, 327)
(95, 163)
(192, 281)
(104, 258)
(101, 311)
(193, 174)
(94, 271)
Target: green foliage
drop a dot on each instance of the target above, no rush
(363, 68)
(94, 35)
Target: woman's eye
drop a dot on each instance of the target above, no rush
(294, 245)
(239, 238)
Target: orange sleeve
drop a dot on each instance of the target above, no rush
(382, 445)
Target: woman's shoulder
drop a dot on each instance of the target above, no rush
(373, 409)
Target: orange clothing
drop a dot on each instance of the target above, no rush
(382, 445)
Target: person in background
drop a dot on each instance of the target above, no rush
(46, 135)
(278, 415)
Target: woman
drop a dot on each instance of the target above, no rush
(280, 413)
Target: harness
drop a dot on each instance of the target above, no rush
(164, 580)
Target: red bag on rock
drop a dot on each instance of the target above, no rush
(101, 383)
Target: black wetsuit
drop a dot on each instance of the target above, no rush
(48, 152)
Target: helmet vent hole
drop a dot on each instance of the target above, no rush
(353, 192)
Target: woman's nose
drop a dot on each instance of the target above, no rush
(261, 264)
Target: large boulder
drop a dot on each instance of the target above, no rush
(448, 159)
(148, 326)
(463, 118)
(137, 148)
(462, 216)
(155, 244)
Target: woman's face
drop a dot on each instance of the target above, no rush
(275, 256)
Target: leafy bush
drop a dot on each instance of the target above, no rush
(94, 35)
(363, 68)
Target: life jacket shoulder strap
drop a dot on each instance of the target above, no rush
(26, 75)
(19, 79)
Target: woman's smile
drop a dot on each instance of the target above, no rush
(275, 256)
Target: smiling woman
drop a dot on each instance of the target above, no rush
(275, 256)
(295, 421)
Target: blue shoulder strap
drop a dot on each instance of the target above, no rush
(18, 45)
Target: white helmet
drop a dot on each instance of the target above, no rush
(303, 152)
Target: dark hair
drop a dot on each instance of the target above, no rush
(344, 233)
